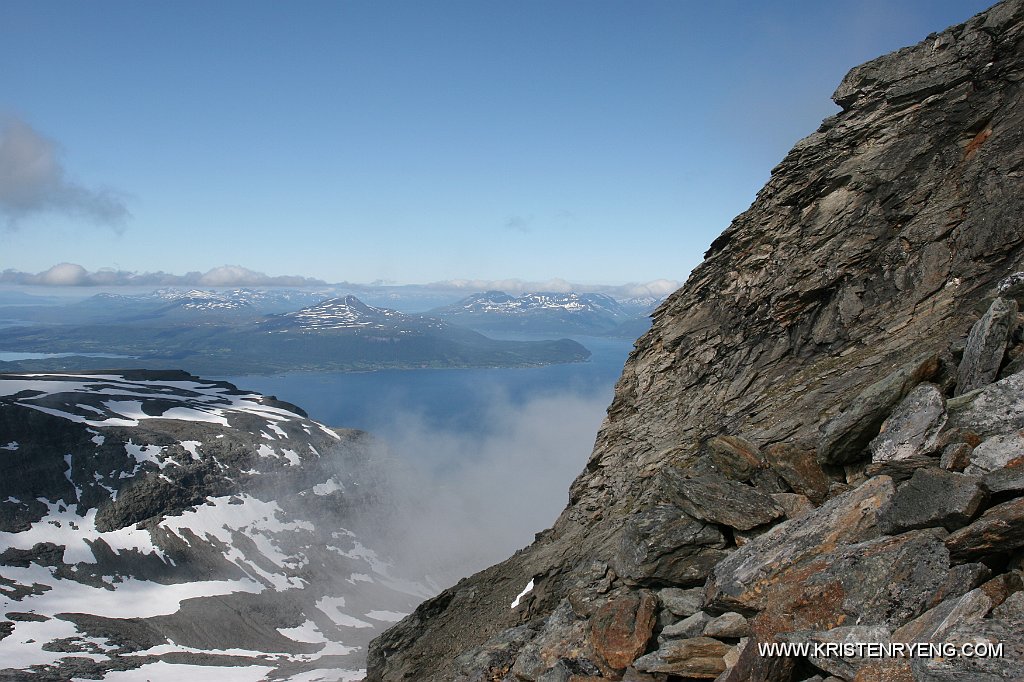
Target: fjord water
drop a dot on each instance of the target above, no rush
(458, 400)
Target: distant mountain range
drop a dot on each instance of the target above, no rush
(551, 312)
(252, 331)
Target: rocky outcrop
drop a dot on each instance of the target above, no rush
(152, 519)
(851, 339)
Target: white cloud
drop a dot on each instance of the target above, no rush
(72, 274)
(33, 180)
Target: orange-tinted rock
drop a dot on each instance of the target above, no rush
(737, 458)
(799, 467)
(621, 628)
(1000, 529)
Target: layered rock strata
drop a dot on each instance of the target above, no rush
(819, 440)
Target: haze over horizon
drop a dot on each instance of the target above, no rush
(360, 142)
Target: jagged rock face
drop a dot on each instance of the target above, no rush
(855, 276)
(160, 523)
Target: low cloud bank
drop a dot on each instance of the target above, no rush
(658, 288)
(451, 503)
(74, 275)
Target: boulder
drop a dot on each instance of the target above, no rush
(795, 505)
(701, 497)
(844, 437)
(886, 581)
(735, 457)
(622, 626)
(932, 497)
(913, 427)
(956, 457)
(562, 637)
(986, 345)
(662, 544)
(934, 624)
(799, 467)
(996, 452)
(729, 625)
(990, 411)
(682, 602)
(1007, 479)
(697, 657)
(738, 582)
(999, 530)
(691, 626)
(846, 667)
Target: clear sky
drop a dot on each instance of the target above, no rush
(412, 141)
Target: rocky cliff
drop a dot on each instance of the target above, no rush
(819, 438)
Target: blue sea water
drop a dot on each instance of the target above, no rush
(449, 399)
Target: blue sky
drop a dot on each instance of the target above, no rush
(411, 141)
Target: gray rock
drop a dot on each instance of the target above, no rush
(913, 427)
(1005, 480)
(737, 582)
(845, 667)
(960, 580)
(1007, 631)
(956, 457)
(1011, 609)
(737, 458)
(682, 602)
(999, 530)
(986, 345)
(691, 626)
(990, 411)
(701, 657)
(793, 504)
(844, 437)
(934, 624)
(702, 497)
(932, 497)
(662, 544)
(729, 625)
(996, 452)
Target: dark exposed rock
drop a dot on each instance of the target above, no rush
(846, 667)
(986, 345)
(900, 470)
(993, 410)
(913, 427)
(956, 457)
(564, 636)
(932, 497)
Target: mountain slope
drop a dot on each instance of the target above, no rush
(229, 334)
(181, 527)
(545, 312)
(748, 409)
